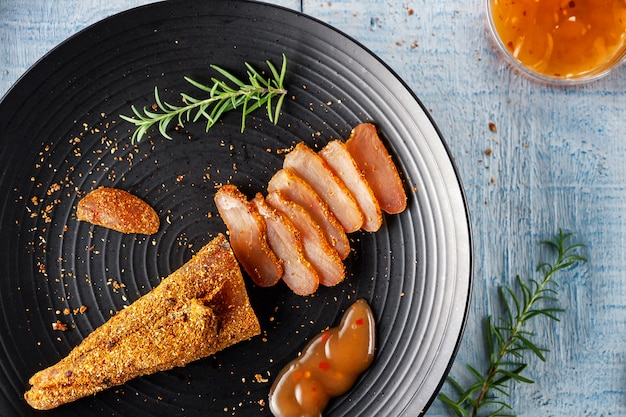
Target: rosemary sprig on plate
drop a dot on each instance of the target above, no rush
(509, 340)
(258, 91)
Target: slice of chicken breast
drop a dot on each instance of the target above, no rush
(286, 242)
(248, 236)
(295, 189)
(381, 173)
(311, 167)
(336, 155)
(317, 250)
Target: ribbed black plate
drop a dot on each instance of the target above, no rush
(61, 136)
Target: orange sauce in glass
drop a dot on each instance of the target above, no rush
(562, 38)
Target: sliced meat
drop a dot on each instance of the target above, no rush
(381, 173)
(317, 250)
(311, 167)
(285, 241)
(336, 155)
(248, 236)
(118, 210)
(300, 192)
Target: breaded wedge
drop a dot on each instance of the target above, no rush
(198, 310)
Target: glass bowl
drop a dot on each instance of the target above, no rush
(506, 19)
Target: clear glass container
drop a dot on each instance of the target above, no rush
(559, 41)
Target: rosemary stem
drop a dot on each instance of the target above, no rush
(192, 106)
(493, 369)
(520, 320)
(224, 96)
(509, 340)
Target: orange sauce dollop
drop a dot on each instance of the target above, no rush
(328, 366)
(562, 38)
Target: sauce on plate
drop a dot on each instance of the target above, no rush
(328, 366)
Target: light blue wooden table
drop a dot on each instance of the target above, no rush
(556, 160)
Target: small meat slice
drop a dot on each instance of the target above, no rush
(317, 250)
(311, 167)
(118, 210)
(248, 236)
(300, 192)
(336, 155)
(381, 173)
(285, 241)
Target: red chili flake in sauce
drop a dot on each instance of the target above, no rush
(328, 366)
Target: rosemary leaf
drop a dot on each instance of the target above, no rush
(509, 342)
(255, 92)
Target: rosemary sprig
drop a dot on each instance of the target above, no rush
(508, 339)
(257, 92)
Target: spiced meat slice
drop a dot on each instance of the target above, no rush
(381, 173)
(294, 188)
(286, 242)
(317, 250)
(338, 158)
(118, 210)
(311, 167)
(248, 236)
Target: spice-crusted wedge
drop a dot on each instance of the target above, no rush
(300, 192)
(336, 155)
(248, 236)
(311, 167)
(381, 173)
(286, 242)
(118, 210)
(195, 312)
(317, 250)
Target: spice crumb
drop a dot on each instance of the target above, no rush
(59, 325)
(259, 378)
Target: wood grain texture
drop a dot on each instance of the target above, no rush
(556, 160)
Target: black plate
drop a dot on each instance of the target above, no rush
(62, 136)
